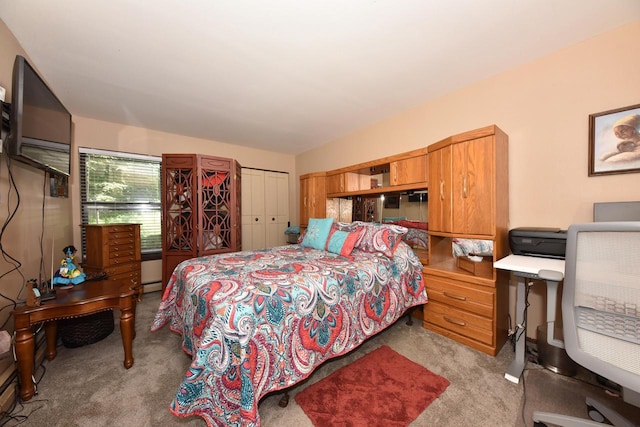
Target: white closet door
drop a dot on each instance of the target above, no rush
(276, 207)
(253, 209)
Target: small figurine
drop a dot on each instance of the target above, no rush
(68, 273)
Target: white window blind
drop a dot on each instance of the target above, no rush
(123, 188)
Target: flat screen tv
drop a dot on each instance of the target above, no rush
(40, 126)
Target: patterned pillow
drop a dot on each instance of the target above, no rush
(342, 242)
(317, 233)
(382, 238)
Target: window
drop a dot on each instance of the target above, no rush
(123, 188)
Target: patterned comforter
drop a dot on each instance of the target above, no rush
(259, 321)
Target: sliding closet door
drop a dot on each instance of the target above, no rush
(265, 208)
(277, 207)
(253, 224)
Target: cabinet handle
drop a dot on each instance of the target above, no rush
(273, 219)
(458, 297)
(454, 321)
(256, 219)
(441, 189)
(395, 173)
(464, 187)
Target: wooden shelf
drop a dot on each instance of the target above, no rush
(381, 190)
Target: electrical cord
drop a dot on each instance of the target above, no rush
(5, 255)
(41, 270)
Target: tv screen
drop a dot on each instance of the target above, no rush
(40, 126)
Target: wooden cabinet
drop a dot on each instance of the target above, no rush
(200, 208)
(347, 182)
(313, 196)
(265, 208)
(469, 190)
(394, 174)
(409, 171)
(114, 249)
(469, 199)
(473, 186)
(440, 199)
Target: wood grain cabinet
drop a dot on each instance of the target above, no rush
(347, 182)
(468, 199)
(200, 208)
(408, 171)
(114, 249)
(313, 197)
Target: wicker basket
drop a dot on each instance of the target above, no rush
(86, 330)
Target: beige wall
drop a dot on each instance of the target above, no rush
(543, 106)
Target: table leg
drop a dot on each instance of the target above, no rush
(517, 366)
(127, 328)
(50, 330)
(25, 348)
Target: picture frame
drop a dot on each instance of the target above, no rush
(614, 141)
(392, 202)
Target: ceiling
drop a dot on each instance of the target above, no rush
(285, 75)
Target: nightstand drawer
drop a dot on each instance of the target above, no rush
(467, 297)
(461, 322)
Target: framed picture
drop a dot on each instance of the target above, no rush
(392, 202)
(614, 141)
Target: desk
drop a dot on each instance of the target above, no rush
(530, 267)
(86, 298)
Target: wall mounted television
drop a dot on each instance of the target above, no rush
(40, 125)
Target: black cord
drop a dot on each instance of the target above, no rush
(524, 399)
(44, 197)
(5, 255)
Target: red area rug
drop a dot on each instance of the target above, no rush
(382, 388)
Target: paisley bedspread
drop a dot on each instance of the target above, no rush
(259, 321)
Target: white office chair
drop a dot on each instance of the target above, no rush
(601, 313)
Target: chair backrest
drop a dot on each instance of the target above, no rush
(601, 300)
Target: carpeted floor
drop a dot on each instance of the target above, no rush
(88, 386)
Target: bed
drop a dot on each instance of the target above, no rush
(255, 322)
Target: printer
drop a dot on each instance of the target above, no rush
(538, 241)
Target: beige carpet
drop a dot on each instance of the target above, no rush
(88, 386)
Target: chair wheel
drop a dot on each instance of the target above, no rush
(595, 415)
(539, 424)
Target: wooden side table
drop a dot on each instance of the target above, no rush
(86, 298)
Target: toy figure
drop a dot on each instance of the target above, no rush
(68, 273)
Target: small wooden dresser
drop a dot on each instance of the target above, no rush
(114, 249)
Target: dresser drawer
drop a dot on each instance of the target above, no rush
(122, 253)
(122, 239)
(122, 228)
(459, 321)
(465, 296)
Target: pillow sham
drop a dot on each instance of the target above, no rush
(383, 238)
(317, 233)
(342, 242)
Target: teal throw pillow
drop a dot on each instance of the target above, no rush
(317, 233)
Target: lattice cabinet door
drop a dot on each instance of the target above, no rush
(218, 205)
(201, 207)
